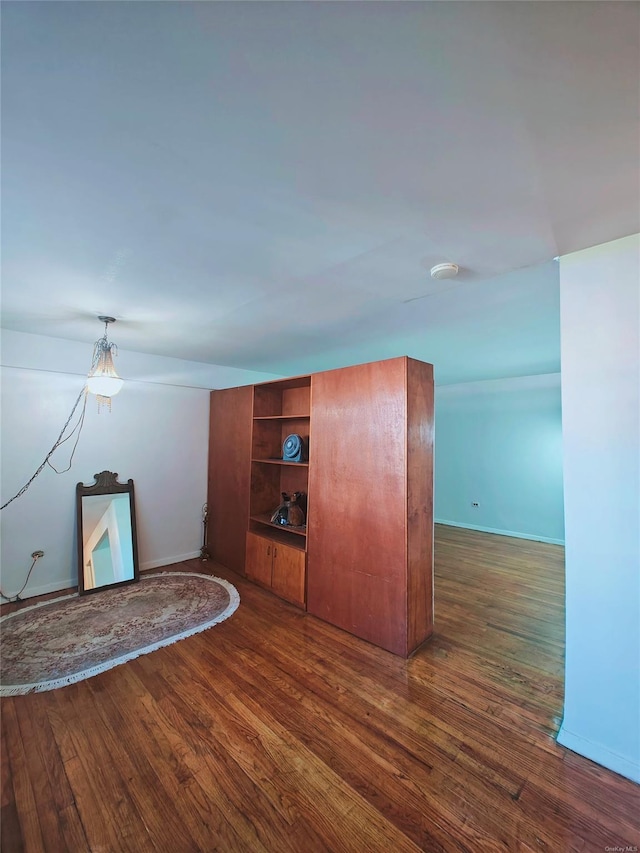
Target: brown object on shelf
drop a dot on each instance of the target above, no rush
(289, 513)
(295, 515)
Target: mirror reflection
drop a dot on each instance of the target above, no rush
(106, 534)
(107, 554)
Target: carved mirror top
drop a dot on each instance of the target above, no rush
(106, 483)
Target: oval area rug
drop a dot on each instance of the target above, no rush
(68, 639)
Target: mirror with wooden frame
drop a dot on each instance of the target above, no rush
(107, 546)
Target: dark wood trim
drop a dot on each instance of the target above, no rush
(230, 416)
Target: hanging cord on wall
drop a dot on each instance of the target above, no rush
(77, 429)
(35, 556)
(59, 441)
(78, 426)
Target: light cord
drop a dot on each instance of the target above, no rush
(17, 598)
(57, 444)
(60, 440)
(78, 427)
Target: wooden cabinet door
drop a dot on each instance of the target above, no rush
(369, 539)
(357, 539)
(259, 559)
(288, 577)
(229, 474)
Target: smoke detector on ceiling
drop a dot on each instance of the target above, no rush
(444, 271)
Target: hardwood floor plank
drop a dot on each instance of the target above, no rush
(11, 838)
(23, 788)
(393, 781)
(6, 788)
(174, 785)
(274, 732)
(338, 814)
(266, 762)
(486, 771)
(154, 808)
(101, 792)
(44, 762)
(262, 665)
(36, 728)
(73, 832)
(244, 802)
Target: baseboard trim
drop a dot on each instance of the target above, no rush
(58, 586)
(515, 535)
(168, 561)
(600, 754)
(54, 586)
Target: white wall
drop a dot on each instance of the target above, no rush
(499, 443)
(600, 322)
(156, 434)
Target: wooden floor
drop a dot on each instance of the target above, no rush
(276, 732)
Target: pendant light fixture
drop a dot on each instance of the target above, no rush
(103, 381)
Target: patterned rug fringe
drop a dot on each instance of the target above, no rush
(22, 689)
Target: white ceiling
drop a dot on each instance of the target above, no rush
(265, 185)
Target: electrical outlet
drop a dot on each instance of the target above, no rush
(475, 503)
(37, 554)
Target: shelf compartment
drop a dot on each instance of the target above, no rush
(269, 435)
(268, 481)
(282, 398)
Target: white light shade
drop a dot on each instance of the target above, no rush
(104, 385)
(103, 379)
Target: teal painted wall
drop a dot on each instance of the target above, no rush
(600, 316)
(102, 561)
(499, 443)
(123, 517)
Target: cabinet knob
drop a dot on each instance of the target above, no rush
(275, 552)
(268, 550)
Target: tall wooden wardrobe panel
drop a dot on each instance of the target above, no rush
(369, 521)
(420, 432)
(229, 474)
